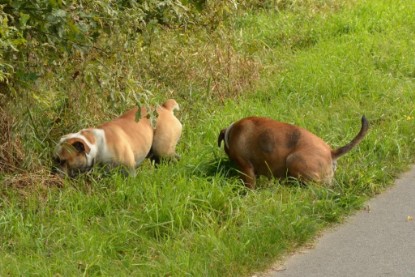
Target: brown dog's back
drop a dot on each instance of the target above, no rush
(262, 146)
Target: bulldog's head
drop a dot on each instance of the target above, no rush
(72, 156)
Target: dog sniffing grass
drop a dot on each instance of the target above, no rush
(322, 68)
(263, 146)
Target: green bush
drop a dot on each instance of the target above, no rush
(77, 57)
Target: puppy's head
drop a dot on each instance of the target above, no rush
(171, 105)
(71, 157)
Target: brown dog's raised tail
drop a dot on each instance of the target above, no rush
(343, 150)
(221, 136)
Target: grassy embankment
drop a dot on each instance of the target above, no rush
(321, 70)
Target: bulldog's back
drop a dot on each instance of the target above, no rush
(125, 134)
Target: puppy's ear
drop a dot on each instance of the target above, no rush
(79, 146)
(221, 137)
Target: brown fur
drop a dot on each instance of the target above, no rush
(262, 146)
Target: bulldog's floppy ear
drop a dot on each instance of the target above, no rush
(79, 146)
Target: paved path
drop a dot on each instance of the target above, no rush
(378, 242)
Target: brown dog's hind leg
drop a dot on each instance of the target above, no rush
(248, 176)
(247, 173)
(300, 168)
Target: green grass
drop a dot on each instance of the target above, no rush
(322, 71)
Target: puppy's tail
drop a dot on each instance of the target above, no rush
(362, 133)
(224, 135)
(221, 136)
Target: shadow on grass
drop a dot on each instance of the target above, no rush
(228, 170)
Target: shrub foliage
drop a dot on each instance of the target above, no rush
(70, 57)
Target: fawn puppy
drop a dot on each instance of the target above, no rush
(167, 132)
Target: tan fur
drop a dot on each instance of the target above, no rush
(167, 132)
(123, 141)
(262, 146)
(127, 139)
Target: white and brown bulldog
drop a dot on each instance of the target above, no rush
(121, 142)
(167, 132)
(263, 146)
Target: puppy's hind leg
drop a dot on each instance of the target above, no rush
(155, 160)
(177, 157)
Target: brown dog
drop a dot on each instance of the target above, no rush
(167, 133)
(123, 141)
(262, 146)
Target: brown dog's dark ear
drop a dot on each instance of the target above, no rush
(221, 136)
(79, 146)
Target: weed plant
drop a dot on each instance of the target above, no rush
(320, 66)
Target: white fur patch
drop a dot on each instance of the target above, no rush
(101, 150)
